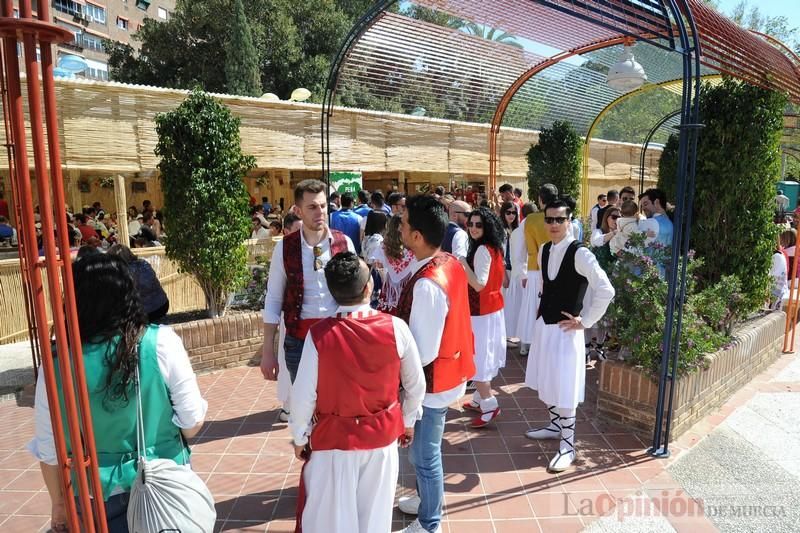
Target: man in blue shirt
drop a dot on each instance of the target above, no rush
(363, 208)
(653, 203)
(267, 206)
(379, 204)
(347, 221)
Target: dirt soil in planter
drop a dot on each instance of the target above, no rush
(191, 316)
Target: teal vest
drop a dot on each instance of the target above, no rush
(114, 421)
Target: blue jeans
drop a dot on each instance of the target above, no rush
(426, 456)
(293, 347)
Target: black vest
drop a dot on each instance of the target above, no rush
(447, 243)
(566, 292)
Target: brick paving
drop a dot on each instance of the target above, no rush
(495, 478)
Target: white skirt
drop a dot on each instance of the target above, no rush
(490, 345)
(557, 365)
(512, 296)
(529, 306)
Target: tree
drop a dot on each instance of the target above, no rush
(668, 167)
(491, 34)
(556, 159)
(241, 59)
(294, 42)
(202, 166)
(738, 164)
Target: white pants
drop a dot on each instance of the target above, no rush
(350, 491)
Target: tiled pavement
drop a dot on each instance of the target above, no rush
(495, 478)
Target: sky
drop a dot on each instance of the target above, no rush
(774, 8)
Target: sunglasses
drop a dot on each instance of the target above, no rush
(511, 213)
(477, 225)
(555, 220)
(317, 258)
(615, 217)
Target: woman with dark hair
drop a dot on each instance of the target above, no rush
(602, 244)
(152, 295)
(394, 262)
(485, 270)
(512, 289)
(374, 229)
(117, 345)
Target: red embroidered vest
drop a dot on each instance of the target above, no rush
(490, 299)
(293, 265)
(358, 407)
(454, 364)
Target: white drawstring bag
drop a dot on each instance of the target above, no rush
(166, 497)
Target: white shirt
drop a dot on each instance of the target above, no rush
(304, 390)
(593, 216)
(429, 309)
(600, 291)
(460, 244)
(597, 238)
(134, 226)
(780, 282)
(518, 253)
(188, 406)
(317, 300)
(482, 264)
(260, 233)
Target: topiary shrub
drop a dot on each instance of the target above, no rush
(556, 159)
(738, 164)
(202, 169)
(668, 167)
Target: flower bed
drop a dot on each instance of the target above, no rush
(627, 395)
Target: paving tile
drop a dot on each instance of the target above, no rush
(25, 524)
(560, 525)
(466, 508)
(11, 501)
(510, 506)
(516, 526)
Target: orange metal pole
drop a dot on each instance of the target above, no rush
(791, 309)
(71, 335)
(78, 421)
(497, 119)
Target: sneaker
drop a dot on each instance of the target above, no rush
(524, 348)
(409, 504)
(283, 416)
(481, 421)
(471, 406)
(416, 527)
(471, 386)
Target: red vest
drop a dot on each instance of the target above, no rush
(490, 299)
(293, 292)
(358, 407)
(454, 363)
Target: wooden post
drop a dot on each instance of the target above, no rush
(122, 210)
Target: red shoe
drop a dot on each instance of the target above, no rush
(469, 406)
(479, 422)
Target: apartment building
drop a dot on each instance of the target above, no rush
(94, 20)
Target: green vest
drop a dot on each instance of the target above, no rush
(114, 421)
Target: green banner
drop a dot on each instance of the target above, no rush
(343, 182)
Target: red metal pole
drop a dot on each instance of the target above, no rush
(27, 235)
(71, 334)
(78, 421)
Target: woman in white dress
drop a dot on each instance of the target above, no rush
(394, 262)
(485, 269)
(515, 269)
(575, 294)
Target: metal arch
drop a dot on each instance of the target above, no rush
(590, 132)
(512, 90)
(362, 25)
(689, 47)
(646, 145)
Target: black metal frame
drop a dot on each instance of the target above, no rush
(677, 17)
(646, 145)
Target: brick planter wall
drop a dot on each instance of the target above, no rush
(627, 395)
(217, 343)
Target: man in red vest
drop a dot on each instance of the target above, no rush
(352, 367)
(435, 304)
(296, 284)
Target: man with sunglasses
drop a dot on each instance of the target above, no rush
(347, 408)
(435, 303)
(575, 294)
(296, 285)
(456, 240)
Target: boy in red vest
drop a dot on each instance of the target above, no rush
(435, 304)
(352, 367)
(296, 284)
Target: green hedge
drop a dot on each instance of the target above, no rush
(556, 159)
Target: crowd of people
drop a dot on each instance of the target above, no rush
(384, 313)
